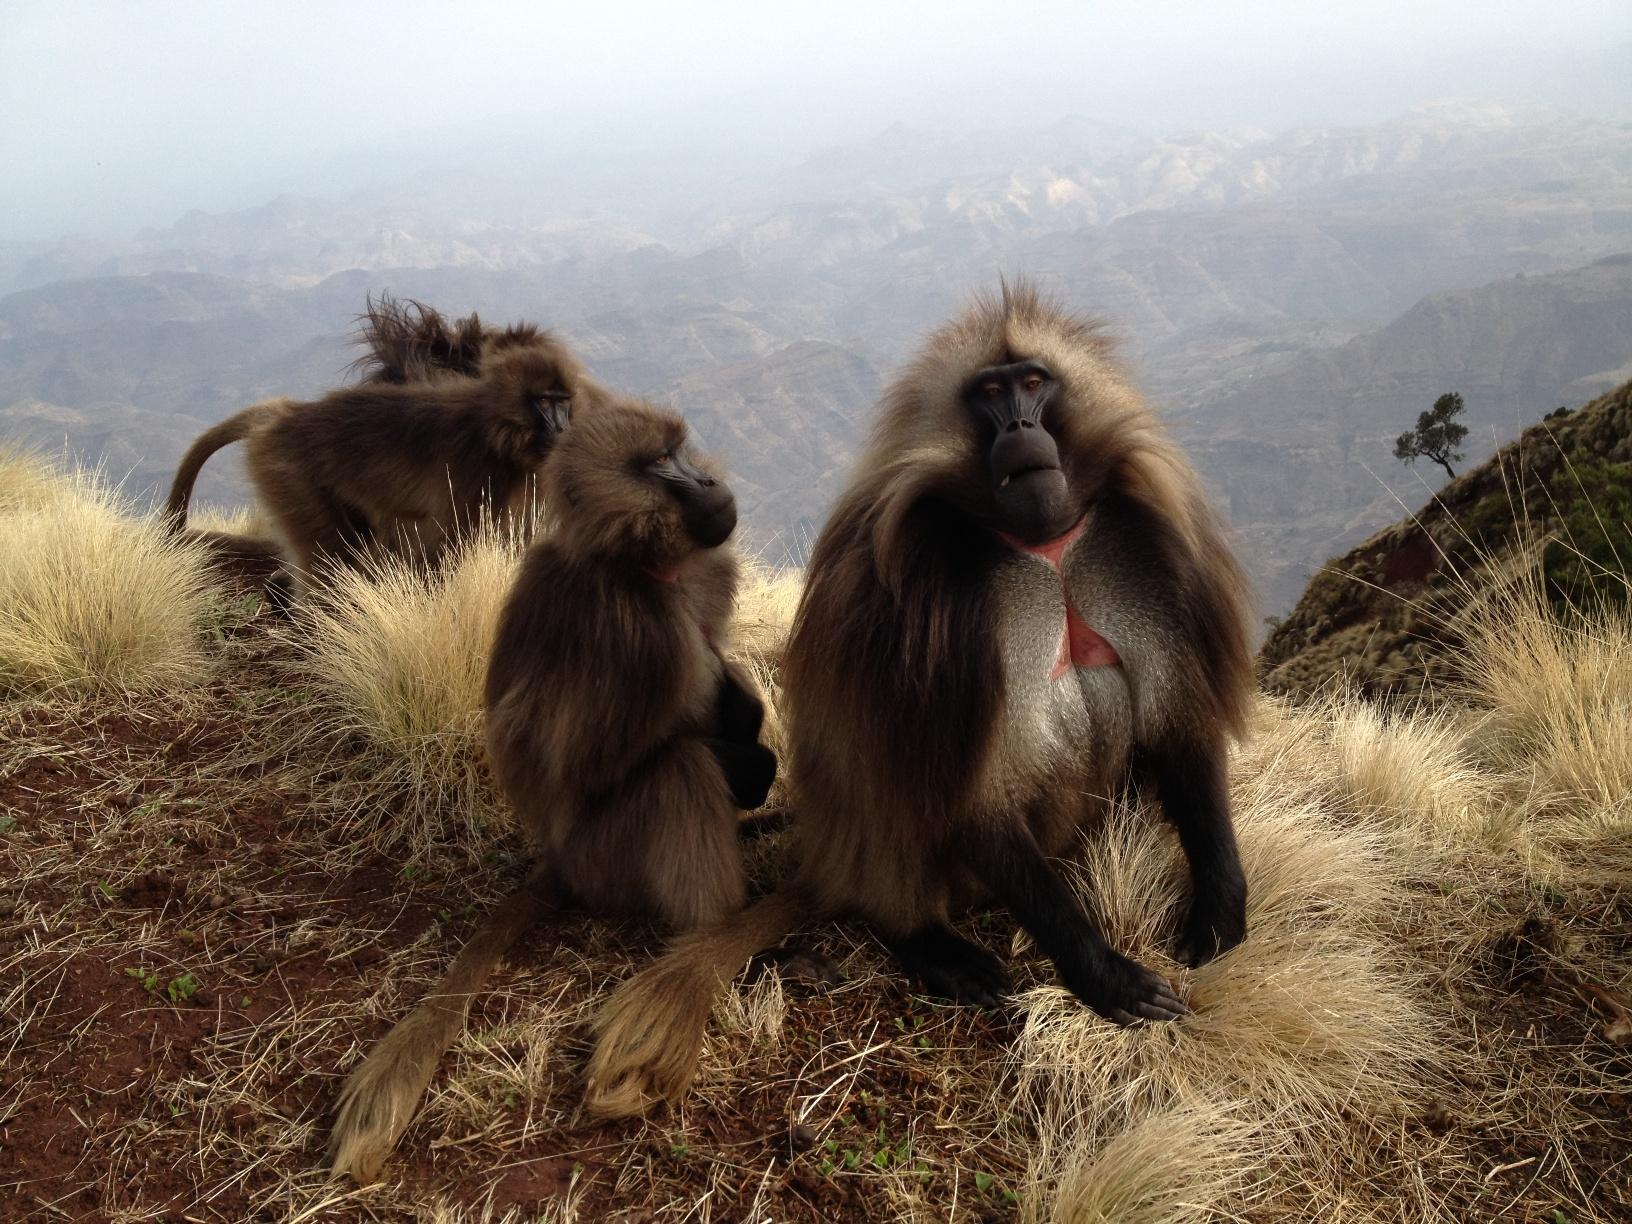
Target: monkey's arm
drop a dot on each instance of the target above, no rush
(749, 766)
(1007, 858)
(1193, 784)
(738, 710)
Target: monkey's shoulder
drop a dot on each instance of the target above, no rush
(591, 613)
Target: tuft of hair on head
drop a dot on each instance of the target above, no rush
(410, 342)
(515, 335)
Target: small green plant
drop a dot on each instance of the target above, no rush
(144, 975)
(7, 824)
(177, 989)
(1588, 562)
(986, 1184)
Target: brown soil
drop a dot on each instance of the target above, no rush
(191, 956)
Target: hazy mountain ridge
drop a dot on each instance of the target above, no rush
(1247, 272)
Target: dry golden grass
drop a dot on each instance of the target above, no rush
(1410, 1033)
(92, 599)
(231, 520)
(28, 480)
(1558, 704)
(398, 657)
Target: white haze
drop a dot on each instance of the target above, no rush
(123, 114)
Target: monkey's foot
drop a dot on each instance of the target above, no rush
(280, 594)
(1211, 929)
(1123, 990)
(796, 964)
(946, 964)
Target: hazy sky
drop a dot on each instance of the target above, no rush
(118, 114)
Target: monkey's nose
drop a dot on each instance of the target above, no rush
(711, 515)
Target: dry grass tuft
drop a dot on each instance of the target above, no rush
(1169, 1167)
(399, 659)
(230, 520)
(766, 601)
(92, 599)
(1311, 1029)
(28, 481)
(1557, 697)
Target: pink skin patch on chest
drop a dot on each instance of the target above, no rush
(1080, 646)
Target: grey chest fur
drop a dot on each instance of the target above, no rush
(1061, 725)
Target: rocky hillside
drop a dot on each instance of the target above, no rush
(1302, 456)
(1386, 614)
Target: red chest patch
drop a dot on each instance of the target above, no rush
(1080, 646)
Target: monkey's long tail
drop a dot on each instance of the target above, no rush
(235, 428)
(379, 1099)
(651, 1029)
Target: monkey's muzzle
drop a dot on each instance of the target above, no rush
(1027, 483)
(709, 513)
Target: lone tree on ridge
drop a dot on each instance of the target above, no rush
(1436, 436)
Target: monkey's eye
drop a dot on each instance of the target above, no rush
(992, 390)
(1032, 382)
(662, 460)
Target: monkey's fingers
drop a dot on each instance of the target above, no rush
(1161, 1003)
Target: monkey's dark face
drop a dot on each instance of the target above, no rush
(1012, 405)
(544, 384)
(708, 510)
(627, 478)
(551, 410)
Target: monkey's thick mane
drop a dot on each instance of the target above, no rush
(920, 454)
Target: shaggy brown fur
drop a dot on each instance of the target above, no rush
(968, 686)
(409, 342)
(406, 468)
(620, 734)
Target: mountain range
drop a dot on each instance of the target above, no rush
(1289, 300)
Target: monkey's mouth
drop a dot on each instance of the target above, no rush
(1032, 469)
(1029, 489)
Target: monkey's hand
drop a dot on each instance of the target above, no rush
(738, 714)
(1120, 989)
(749, 770)
(1216, 923)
